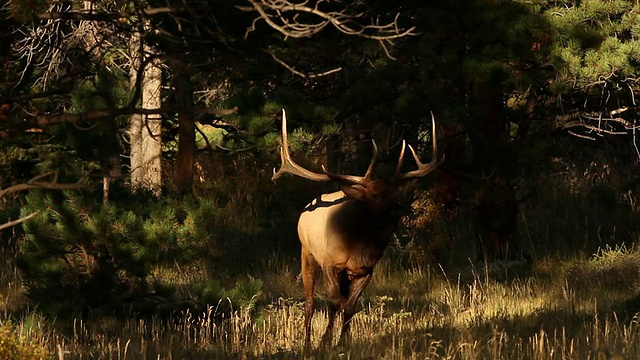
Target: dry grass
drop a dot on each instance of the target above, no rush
(578, 308)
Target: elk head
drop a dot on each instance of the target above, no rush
(345, 233)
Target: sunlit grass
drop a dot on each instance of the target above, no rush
(571, 308)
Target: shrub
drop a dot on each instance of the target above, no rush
(80, 255)
(14, 348)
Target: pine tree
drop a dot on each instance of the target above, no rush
(79, 256)
(595, 49)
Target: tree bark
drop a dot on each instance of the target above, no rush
(145, 131)
(186, 131)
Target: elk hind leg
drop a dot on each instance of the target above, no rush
(309, 269)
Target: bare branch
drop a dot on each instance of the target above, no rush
(204, 137)
(284, 17)
(621, 110)
(299, 73)
(595, 129)
(92, 15)
(235, 151)
(622, 121)
(593, 125)
(15, 222)
(41, 121)
(581, 136)
(36, 183)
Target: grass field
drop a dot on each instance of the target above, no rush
(577, 308)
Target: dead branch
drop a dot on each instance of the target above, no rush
(284, 17)
(37, 183)
(234, 151)
(593, 128)
(299, 73)
(93, 15)
(626, 124)
(581, 136)
(41, 121)
(18, 221)
(622, 110)
(34, 184)
(593, 125)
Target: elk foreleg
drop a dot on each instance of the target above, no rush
(332, 282)
(309, 269)
(358, 283)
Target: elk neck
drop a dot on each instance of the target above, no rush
(356, 221)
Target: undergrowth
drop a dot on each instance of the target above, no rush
(406, 313)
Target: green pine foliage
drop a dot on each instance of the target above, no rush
(80, 256)
(594, 42)
(103, 91)
(243, 296)
(259, 118)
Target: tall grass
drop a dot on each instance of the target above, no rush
(553, 313)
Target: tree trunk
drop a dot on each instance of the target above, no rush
(494, 208)
(145, 131)
(186, 129)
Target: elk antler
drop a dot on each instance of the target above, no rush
(289, 166)
(423, 169)
(400, 159)
(353, 179)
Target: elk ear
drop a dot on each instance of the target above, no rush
(356, 192)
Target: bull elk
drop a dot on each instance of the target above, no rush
(346, 232)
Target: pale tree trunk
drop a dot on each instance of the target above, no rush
(146, 130)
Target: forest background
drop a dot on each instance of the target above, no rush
(138, 138)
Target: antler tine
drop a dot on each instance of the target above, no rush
(400, 159)
(424, 169)
(350, 179)
(284, 150)
(367, 175)
(288, 165)
(353, 179)
(434, 143)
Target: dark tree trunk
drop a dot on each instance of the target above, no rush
(493, 205)
(186, 131)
